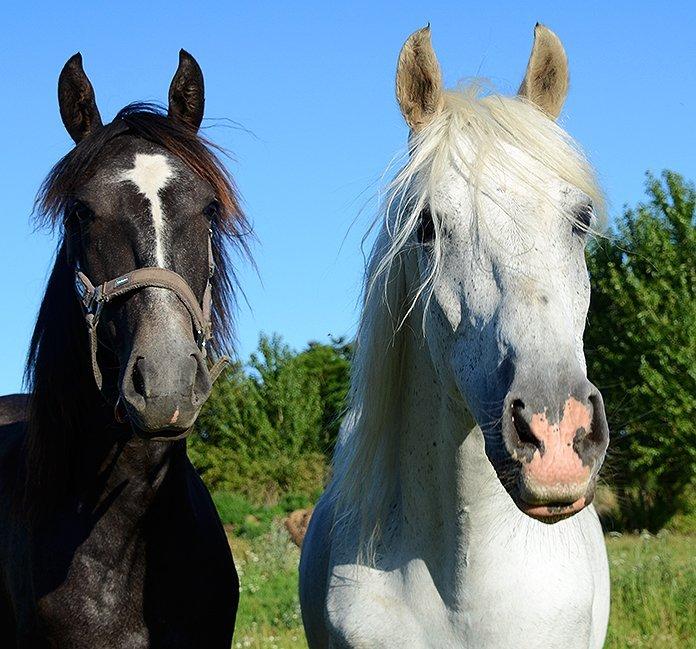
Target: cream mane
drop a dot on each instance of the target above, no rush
(366, 475)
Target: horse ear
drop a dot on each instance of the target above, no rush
(419, 81)
(546, 80)
(78, 108)
(186, 92)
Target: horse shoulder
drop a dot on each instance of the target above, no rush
(314, 569)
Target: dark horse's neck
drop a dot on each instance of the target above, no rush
(75, 447)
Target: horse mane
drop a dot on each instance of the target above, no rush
(475, 133)
(57, 374)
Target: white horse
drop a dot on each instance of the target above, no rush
(459, 512)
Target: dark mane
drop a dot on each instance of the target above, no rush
(63, 393)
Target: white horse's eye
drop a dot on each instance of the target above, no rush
(582, 218)
(426, 227)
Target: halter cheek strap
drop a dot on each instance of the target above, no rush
(93, 298)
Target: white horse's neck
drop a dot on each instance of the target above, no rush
(450, 494)
(459, 537)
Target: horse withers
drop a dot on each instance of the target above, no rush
(108, 537)
(459, 513)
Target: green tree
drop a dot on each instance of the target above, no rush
(260, 431)
(641, 350)
(329, 365)
(289, 395)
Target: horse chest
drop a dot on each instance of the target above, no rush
(508, 595)
(99, 601)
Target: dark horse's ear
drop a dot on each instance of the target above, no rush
(186, 93)
(78, 108)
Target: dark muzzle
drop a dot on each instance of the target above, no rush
(94, 298)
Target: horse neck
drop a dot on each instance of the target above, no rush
(132, 469)
(446, 481)
(453, 513)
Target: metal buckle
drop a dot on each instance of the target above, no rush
(94, 306)
(201, 341)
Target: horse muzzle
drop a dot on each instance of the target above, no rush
(558, 446)
(163, 389)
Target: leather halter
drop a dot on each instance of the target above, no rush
(93, 298)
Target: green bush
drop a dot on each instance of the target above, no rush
(269, 428)
(641, 350)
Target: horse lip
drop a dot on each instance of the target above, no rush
(125, 414)
(121, 412)
(551, 512)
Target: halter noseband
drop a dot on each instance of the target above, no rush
(93, 299)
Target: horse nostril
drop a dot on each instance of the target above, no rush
(138, 380)
(522, 425)
(598, 431)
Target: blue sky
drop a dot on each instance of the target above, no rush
(312, 85)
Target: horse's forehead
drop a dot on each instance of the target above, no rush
(503, 166)
(149, 173)
(135, 168)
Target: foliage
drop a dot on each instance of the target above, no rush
(269, 608)
(246, 519)
(269, 428)
(329, 365)
(641, 350)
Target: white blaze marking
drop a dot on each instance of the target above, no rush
(150, 174)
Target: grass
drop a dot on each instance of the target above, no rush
(653, 591)
(269, 610)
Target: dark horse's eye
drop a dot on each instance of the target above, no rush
(80, 211)
(583, 218)
(212, 211)
(426, 227)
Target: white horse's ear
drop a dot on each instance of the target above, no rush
(419, 81)
(546, 80)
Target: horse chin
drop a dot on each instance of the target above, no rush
(172, 433)
(546, 511)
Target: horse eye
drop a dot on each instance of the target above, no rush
(426, 227)
(80, 211)
(212, 211)
(583, 219)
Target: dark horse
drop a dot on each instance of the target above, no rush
(108, 537)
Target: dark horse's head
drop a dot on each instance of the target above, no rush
(143, 192)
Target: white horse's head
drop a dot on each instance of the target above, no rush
(498, 201)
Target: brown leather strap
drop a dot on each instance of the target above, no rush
(93, 298)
